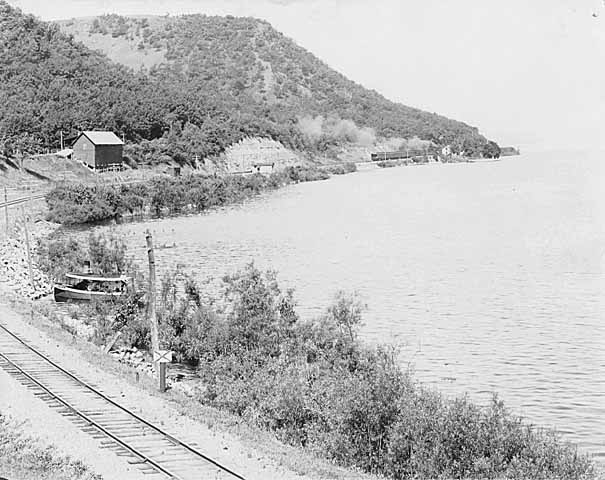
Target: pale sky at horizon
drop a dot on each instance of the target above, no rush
(525, 72)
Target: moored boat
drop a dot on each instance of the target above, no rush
(87, 287)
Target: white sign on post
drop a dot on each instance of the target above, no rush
(162, 356)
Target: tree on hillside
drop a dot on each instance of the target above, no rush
(491, 150)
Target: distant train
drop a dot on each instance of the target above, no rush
(378, 156)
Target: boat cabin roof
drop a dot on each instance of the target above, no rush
(97, 278)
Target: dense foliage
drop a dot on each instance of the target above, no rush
(392, 163)
(79, 203)
(248, 59)
(348, 167)
(316, 385)
(223, 79)
(49, 83)
(105, 254)
(491, 150)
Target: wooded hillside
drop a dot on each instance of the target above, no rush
(211, 81)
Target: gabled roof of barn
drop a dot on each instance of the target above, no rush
(102, 138)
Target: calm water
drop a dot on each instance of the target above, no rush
(490, 275)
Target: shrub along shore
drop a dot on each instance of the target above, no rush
(314, 383)
(79, 203)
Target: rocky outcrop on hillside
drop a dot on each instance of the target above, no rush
(248, 152)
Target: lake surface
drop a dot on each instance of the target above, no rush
(489, 275)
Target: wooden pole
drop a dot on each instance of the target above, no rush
(6, 210)
(162, 377)
(153, 321)
(29, 257)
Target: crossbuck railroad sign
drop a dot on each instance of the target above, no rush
(162, 356)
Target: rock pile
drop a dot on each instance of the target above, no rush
(14, 268)
(133, 357)
(243, 155)
(75, 325)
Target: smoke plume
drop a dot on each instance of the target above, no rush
(334, 128)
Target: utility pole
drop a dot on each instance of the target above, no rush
(151, 313)
(29, 257)
(6, 210)
(61, 139)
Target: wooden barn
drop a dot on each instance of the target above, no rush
(98, 150)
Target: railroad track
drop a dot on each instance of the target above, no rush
(151, 449)
(18, 201)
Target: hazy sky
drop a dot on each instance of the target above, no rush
(526, 72)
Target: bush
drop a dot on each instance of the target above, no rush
(391, 163)
(305, 174)
(134, 197)
(80, 203)
(437, 437)
(348, 167)
(182, 320)
(107, 254)
(58, 255)
(125, 314)
(261, 317)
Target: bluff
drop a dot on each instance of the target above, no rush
(188, 87)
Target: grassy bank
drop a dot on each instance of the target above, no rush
(82, 203)
(25, 458)
(315, 385)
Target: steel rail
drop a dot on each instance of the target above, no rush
(106, 398)
(89, 421)
(17, 201)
